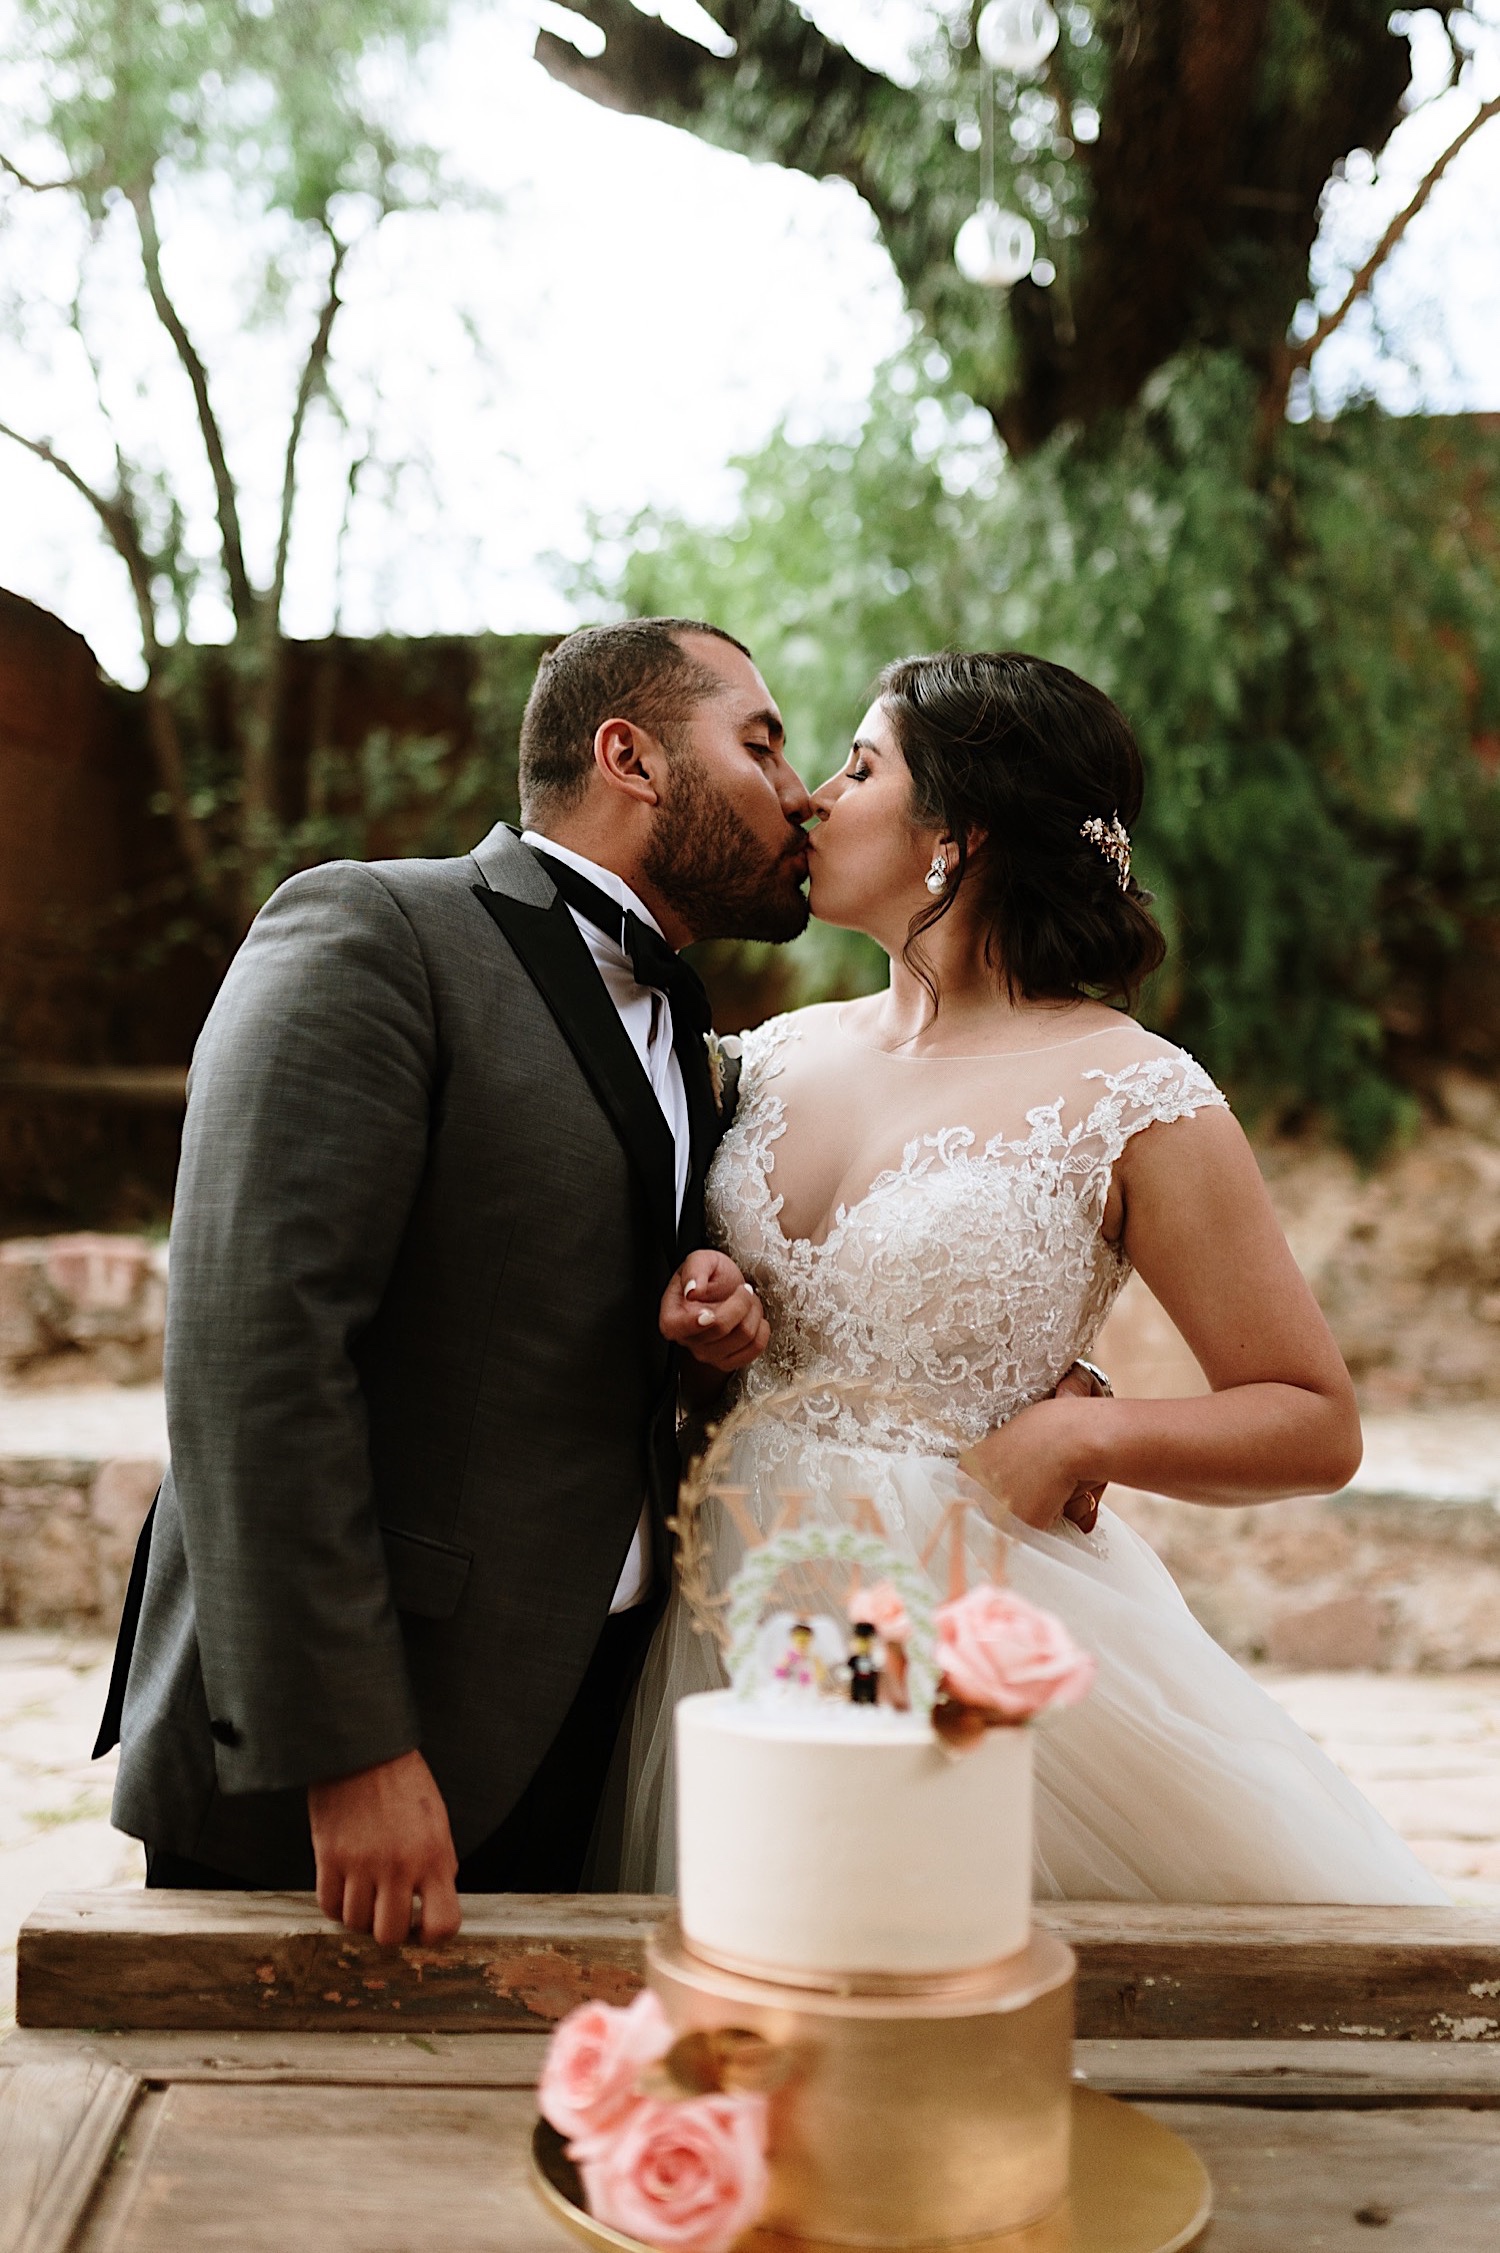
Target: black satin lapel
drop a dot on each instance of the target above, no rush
(549, 949)
(705, 1132)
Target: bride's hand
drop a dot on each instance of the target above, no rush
(713, 1313)
(1039, 1463)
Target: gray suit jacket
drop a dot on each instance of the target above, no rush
(415, 1386)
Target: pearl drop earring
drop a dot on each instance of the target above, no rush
(936, 878)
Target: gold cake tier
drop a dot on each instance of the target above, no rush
(913, 2113)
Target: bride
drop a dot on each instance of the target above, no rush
(937, 1193)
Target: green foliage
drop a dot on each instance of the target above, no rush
(1307, 641)
(139, 110)
(430, 782)
(295, 100)
(1171, 160)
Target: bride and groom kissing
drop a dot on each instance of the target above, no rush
(471, 1207)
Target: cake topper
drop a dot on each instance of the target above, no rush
(864, 1665)
(799, 1667)
(761, 1583)
(753, 1589)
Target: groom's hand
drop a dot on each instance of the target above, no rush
(713, 1313)
(382, 1843)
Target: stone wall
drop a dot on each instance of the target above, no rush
(82, 1308)
(1403, 1571)
(68, 1529)
(1358, 1580)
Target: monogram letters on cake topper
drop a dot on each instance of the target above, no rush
(733, 1598)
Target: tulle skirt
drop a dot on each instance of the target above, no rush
(1176, 1779)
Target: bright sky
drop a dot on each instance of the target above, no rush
(635, 310)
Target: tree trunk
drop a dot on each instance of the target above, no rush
(1221, 121)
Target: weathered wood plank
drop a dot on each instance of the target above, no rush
(221, 1961)
(264, 2141)
(1343, 2075)
(384, 2171)
(350, 2057)
(1304, 2073)
(1240, 1974)
(58, 2122)
(1286, 2182)
(263, 2170)
(40, 2111)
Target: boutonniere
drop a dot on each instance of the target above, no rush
(724, 1060)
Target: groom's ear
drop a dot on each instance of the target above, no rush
(630, 760)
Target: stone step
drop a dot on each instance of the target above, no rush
(1400, 1571)
(78, 1470)
(82, 1307)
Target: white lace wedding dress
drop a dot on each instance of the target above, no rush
(926, 1236)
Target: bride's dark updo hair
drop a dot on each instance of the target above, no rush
(1027, 754)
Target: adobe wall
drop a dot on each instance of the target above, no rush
(106, 957)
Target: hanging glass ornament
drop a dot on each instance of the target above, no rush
(1016, 35)
(994, 247)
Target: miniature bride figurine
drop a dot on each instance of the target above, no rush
(799, 1667)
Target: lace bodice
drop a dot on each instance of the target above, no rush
(927, 1234)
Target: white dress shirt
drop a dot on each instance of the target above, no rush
(647, 1018)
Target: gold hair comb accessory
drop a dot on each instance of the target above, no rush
(1113, 841)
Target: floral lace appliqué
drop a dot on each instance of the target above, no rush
(964, 1282)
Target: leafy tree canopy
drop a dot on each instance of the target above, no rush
(1171, 155)
(298, 100)
(1308, 658)
(130, 112)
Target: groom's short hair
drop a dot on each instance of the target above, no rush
(636, 670)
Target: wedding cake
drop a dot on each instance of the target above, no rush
(854, 1888)
(838, 1839)
(851, 2034)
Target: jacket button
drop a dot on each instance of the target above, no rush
(224, 1732)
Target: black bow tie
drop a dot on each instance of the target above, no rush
(651, 959)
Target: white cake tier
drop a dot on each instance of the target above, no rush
(839, 1839)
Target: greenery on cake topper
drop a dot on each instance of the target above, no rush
(727, 1603)
(753, 1586)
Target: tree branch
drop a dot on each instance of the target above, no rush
(258, 808)
(45, 187)
(118, 523)
(798, 97)
(645, 69)
(1202, 187)
(1300, 355)
(241, 593)
(312, 375)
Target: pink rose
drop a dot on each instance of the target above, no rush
(880, 1607)
(686, 2177)
(594, 2061)
(997, 1651)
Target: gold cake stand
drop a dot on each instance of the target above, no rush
(1134, 2187)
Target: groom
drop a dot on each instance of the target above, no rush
(446, 1140)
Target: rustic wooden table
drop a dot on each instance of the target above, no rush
(227, 2073)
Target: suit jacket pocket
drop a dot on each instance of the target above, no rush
(427, 1577)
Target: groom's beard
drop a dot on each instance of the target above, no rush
(713, 870)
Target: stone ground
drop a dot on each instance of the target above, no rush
(1426, 1748)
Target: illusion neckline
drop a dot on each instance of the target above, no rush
(979, 1056)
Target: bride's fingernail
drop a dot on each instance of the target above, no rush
(705, 1317)
(688, 1289)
